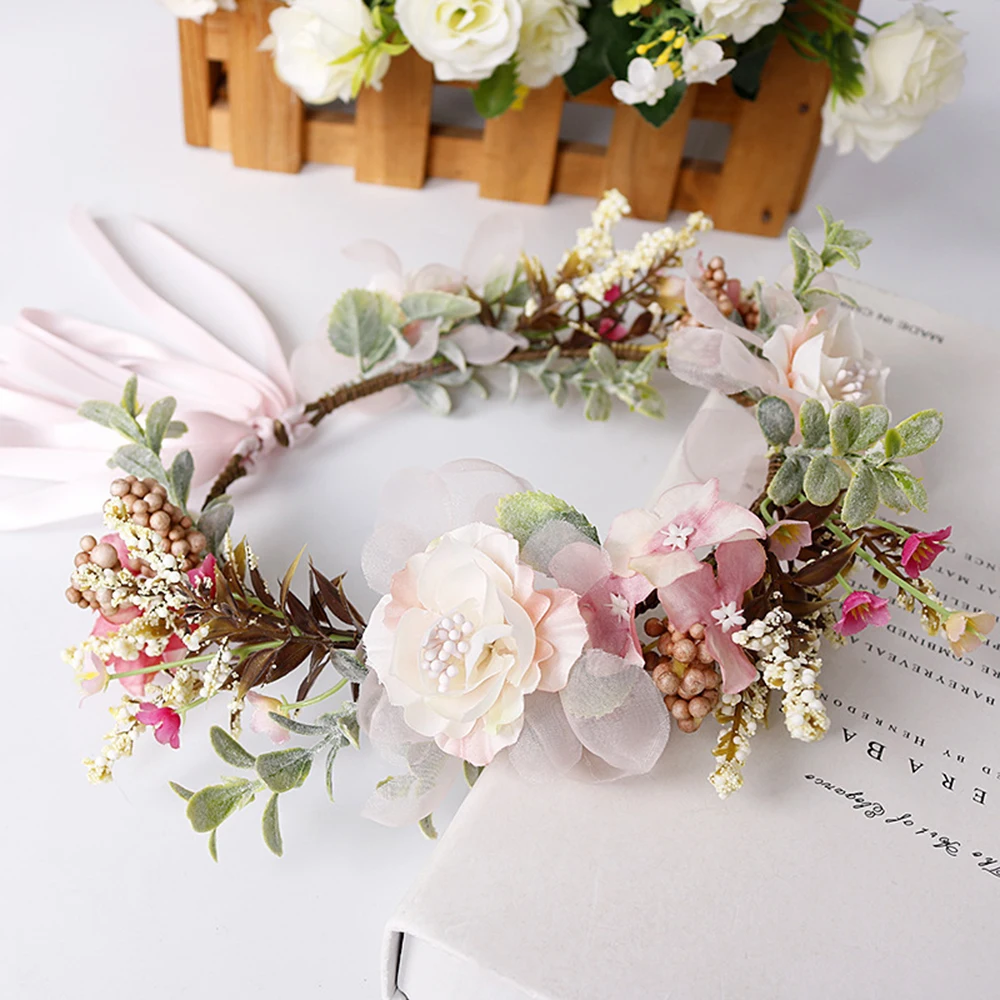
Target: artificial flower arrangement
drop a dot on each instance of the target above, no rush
(886, 78)
(507, 626)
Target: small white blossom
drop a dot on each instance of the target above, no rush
(703, 62)
(646, 83)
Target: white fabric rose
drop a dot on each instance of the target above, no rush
(912, 67)
(741, 19)
(551, 36)
(195, 10)
(646, 83)
(463, 637)
(703, 62)
(464, 39)
(309, 36)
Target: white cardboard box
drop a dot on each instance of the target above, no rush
(867, 865)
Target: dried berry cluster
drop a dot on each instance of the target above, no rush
(684, 672)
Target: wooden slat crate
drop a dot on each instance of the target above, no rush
(234, 101)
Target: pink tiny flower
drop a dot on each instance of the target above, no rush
(613, 294)
(611, 329)
(165, 721)
(261, 721)
(788, 538)
(922, 548)
(861, 609)
(967, 632)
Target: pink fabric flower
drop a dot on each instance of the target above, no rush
(786, 539)
(611, 329)
(922, 548)
(165, 721)
(261, 721)
(613, 294)
(861, 609)
(660, 543)
(204, 571)
(463, 637)
(967, 632)
(136, 684)
(608, 601)
(715, 600)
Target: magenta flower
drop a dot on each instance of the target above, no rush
(922, 548)
(165, 721)
(660, 543)
(786, 539)
(261, 721)
(715, 600)
(611, 329)
(861, 609)
(613, 294)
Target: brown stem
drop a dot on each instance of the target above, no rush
(234, 469)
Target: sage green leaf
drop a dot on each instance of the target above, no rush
(522, 514)
(348, 666)
(555, 385)
(918, 432)
(179, 478)
(229, 750)
(786, 486)
(604, 361)
(438, 305)
(427, 827)
(158, 420)
(109, 415)
(363, 325)
(874, 424)
(211, 806)
(861, 501)
(807, 261)
(213, 846)
(130, 396)
(815, 424)
(435, 397)
(175, 429)
(845, 427)
(214, 523)
(294, 726)
(270, 827)
(283, 770)
(776, 420)
(890, 492)
(598, 403)
(347, 722)
(471, 772)
(184, 793)
(910, 485)
(453, 353)
(821, 482)
(331, 758)
(138, 460)
(892, 443)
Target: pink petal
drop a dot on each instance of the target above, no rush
(482, 346)
(132, 565)
(692, 598)
(740, 565)
(737, 670)
(786, 539)
(261, 721)
(565, 630)
(424, 335)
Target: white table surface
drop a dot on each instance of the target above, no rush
(105, 890)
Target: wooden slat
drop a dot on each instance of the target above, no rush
(196, 87)
(330, 138)
(697, 186)
(716, 103)
(217, 36)
(519, 148)
(600, 96)
(580, 169)
(218, 127)
(455, 153)
(265, 117)
(643, 161)
(393, 125)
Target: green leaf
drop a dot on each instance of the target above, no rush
(347, 723)
(839, 242)
(435, 397)
(607, 35)
(776, 420)
(434, 305)
(471, 772)
(331, 758)
(363, 325)
(604, 361)
(283, 770)
(109, 415)
(845, 428)
(269, 826)
(294, 726)
(807, 261)
(862, 499)
(427, 827)
(453, 353)
(821, 483)
(750, 62)
(890, 492)
(179, 478)
(918, 432)
(495, 95)
(661, 112)
(184, 793)
(786, 486)
(158, 420)
(815, 424)
(522, 514)
(229, 750)
(138, 460)
(175, 429)
(214, 523)
(874, 424)
(910, 485)
(211, 806)
(130, 396)
(213, 846)
(598, 403)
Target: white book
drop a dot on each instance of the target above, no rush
(865, 865)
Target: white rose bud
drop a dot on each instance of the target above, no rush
(309, 37)
(195, 10)
(912, 67)
(464, 39)
(551, 36)
(741, 19)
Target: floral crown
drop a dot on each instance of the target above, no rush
(507, 625)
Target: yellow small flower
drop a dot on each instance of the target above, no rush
(622, 8)
(669, 35)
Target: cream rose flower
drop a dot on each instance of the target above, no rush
(912, 68)
(195, 10)
(464, 39)
(741, 19)
(309, 37)
(551, 36)
(463, 637)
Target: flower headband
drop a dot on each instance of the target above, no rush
(507, 625)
